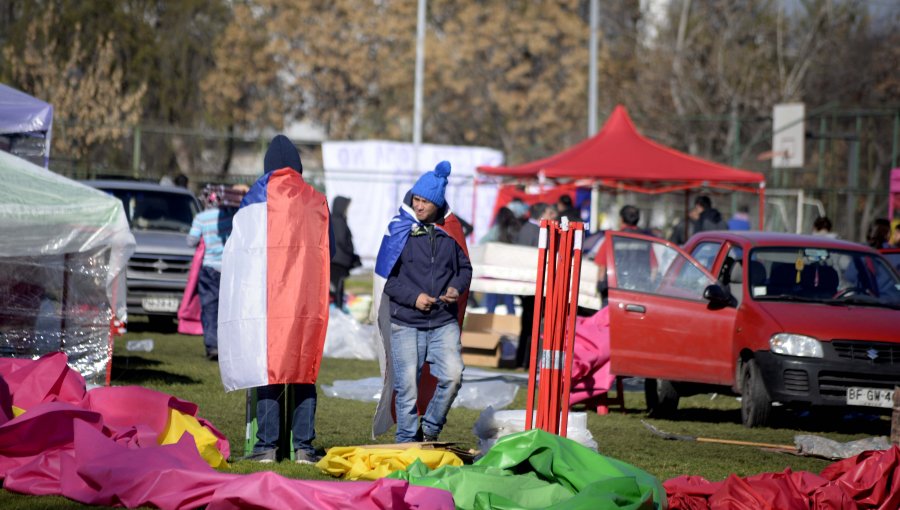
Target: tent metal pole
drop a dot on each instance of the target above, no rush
(762, 206)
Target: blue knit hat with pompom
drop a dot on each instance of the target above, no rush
(431, 185)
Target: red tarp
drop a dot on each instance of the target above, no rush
(618, 153)
(868, 480)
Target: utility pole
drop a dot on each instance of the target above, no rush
(592, 105)
(420, 70)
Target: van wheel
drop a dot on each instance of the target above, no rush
(662, 397)
(756, 405)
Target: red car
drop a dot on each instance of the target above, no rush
(800, 320)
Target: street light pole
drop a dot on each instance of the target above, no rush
(420, 69)
(592, 70)
(592, 106)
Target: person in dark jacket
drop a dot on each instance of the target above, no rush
(424, 285)
(345, 257)
(529, 235)
(703, 217)
(566, 208)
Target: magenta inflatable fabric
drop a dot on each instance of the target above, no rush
(99, 448)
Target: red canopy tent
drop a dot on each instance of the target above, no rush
(619, 157)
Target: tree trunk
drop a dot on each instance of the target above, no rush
(229, 152)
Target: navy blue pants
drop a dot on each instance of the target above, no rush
(208, 285)
(268, 416)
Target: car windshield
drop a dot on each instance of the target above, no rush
(822, 275)
(157, 210)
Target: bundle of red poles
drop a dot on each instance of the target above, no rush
(555, 301)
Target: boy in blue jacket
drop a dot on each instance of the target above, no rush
(424, 287)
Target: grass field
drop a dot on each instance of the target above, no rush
(177, 366)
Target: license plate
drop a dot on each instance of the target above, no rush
(161, 303)
(871, 397)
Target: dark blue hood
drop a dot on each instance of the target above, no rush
(282, 154)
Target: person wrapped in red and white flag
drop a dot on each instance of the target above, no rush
(422, 276)
(273, 305)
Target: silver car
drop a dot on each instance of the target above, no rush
(160, 218)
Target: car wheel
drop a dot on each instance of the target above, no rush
(662, 397)
(756, 405)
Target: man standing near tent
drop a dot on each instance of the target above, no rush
(273, 308)
(425, 271)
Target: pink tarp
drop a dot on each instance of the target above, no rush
(590, 360)
(100, 448)
(894, 201)
(189, 309)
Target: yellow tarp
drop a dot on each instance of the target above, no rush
(179, 423)
(356, 463)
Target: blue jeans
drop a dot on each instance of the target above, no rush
(411, 348)
(492, 300)
(268, 416)
(208, 288)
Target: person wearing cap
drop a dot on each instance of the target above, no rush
(424, 260)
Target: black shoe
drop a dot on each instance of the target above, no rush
(212, 354)
(430, 439)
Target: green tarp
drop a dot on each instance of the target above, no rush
(535, 469)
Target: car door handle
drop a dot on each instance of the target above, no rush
(635, 308)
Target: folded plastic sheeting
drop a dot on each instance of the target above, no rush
(347, 338)
(536, 469)
(809, 444)
(356, 463)
(868, 480)
(113, 447)
(480, 389)
(492, 425)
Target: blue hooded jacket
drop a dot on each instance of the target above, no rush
(429, 262)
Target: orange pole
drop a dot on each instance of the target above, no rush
(563, 273)
(570, 332)
(544, 387)
(535, 326)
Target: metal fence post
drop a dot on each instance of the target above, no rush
(136, 152)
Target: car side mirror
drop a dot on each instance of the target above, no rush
(717, 296)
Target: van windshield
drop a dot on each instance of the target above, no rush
(822, 275)
(157, 210)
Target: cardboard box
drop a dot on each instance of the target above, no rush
(482, 334)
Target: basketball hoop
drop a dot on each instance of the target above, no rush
(765, 156)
